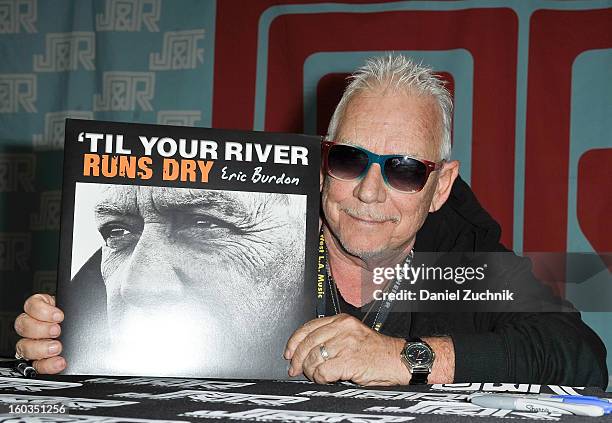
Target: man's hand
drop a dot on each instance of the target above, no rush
(356, 353)
(39, 326)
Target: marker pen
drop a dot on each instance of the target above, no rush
(535, 405)
(26, 369)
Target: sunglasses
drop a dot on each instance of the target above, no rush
(402, 173)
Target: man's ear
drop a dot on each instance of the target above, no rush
(447, 177)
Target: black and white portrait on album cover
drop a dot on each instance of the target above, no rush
(187, 276)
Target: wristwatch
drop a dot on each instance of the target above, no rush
(419, 358)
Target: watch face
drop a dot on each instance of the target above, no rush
(418, 354)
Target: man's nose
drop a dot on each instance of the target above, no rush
(371, 188)
(153, 275)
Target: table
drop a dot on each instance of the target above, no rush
(139, 399)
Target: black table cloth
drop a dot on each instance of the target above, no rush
(136, 399)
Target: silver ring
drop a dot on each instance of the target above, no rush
(323, 352)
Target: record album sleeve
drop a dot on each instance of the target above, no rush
(185, 251)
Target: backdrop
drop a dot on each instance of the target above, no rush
(530, 79)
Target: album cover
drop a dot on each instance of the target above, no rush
(185, 251)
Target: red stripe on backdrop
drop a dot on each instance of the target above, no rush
(329, 92)
(556, 38)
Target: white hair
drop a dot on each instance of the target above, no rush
(398, 72)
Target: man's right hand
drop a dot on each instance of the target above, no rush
(39, 326)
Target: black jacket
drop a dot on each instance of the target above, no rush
(536, 347)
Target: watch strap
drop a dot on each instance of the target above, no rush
(419, 377)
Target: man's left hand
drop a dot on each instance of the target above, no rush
(355, 352)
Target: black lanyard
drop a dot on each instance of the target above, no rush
(325, 283)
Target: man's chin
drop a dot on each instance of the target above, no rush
(364, 250)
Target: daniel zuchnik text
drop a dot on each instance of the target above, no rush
(458, 275)
(457, 295)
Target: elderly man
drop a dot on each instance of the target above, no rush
(390, 192)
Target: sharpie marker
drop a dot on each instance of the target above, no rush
(536, 405)
(26, 369)
(605, 403)
(580, 399)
